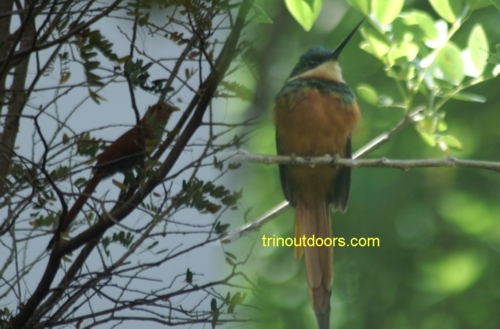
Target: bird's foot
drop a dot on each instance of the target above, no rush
(334, 160)
(293, 159)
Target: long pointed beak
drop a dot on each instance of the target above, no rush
(336, 53)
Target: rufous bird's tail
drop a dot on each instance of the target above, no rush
(312, 221)
(77, 206)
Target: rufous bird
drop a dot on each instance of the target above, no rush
(122, 155)
(315, 113)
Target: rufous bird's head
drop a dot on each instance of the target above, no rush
(321, 63)
(156, 118)
(160, 113)
(154, 121)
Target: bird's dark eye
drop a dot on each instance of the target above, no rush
(312, 62)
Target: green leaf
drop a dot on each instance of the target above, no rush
(469, 97)
(237, 299)
(367, 93)
(239, 90)
(478, 4)
(443, 84)
(407, 73)
(402, 53)
(95, 97)
(449, 10)
(368, 47)
(125, 239)
(121, 186)
(62, 25)
(304, 13)
(496, 3)
(92, 64)
(385, 101)
(259, 15)
(152, 245)
(496, 70)
(215, 312)
(123, 59)
(80, 181)
(221, 228)
(441, 125)
(422, 20)
(478, 45)
(361, 5)
(442, 35)
(495, 58)
(376, 44)
(428, 138)
(452, 142)
(189, 276)
(469, 66)
(231, 200)
(65, 139)
(449, 60)
(386, 11)
(64, 77)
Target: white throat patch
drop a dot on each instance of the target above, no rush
(328, 71)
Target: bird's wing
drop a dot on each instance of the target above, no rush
(287, 189)
(342, 187)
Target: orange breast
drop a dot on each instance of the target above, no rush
(314, 124)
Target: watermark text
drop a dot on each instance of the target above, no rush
(313, 241)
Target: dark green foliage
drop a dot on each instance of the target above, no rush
(237, 90)
(438, 263)
(88, 146)
(195, 195)
(122, 238)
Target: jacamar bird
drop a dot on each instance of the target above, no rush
(122, 155)
(315, 113)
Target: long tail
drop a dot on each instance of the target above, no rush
(77, 206)
(314, 221)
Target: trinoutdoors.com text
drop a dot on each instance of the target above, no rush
(318, 242)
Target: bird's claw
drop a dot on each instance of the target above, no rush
(334, 160)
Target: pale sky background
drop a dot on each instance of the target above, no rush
(117, 112)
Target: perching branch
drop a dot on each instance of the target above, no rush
(406, 165)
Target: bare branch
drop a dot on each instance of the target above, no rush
(405, 165)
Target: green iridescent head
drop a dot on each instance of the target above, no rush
(311, 59)
(319, 55)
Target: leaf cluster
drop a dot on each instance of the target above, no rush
(428, 68)
(195, 195)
